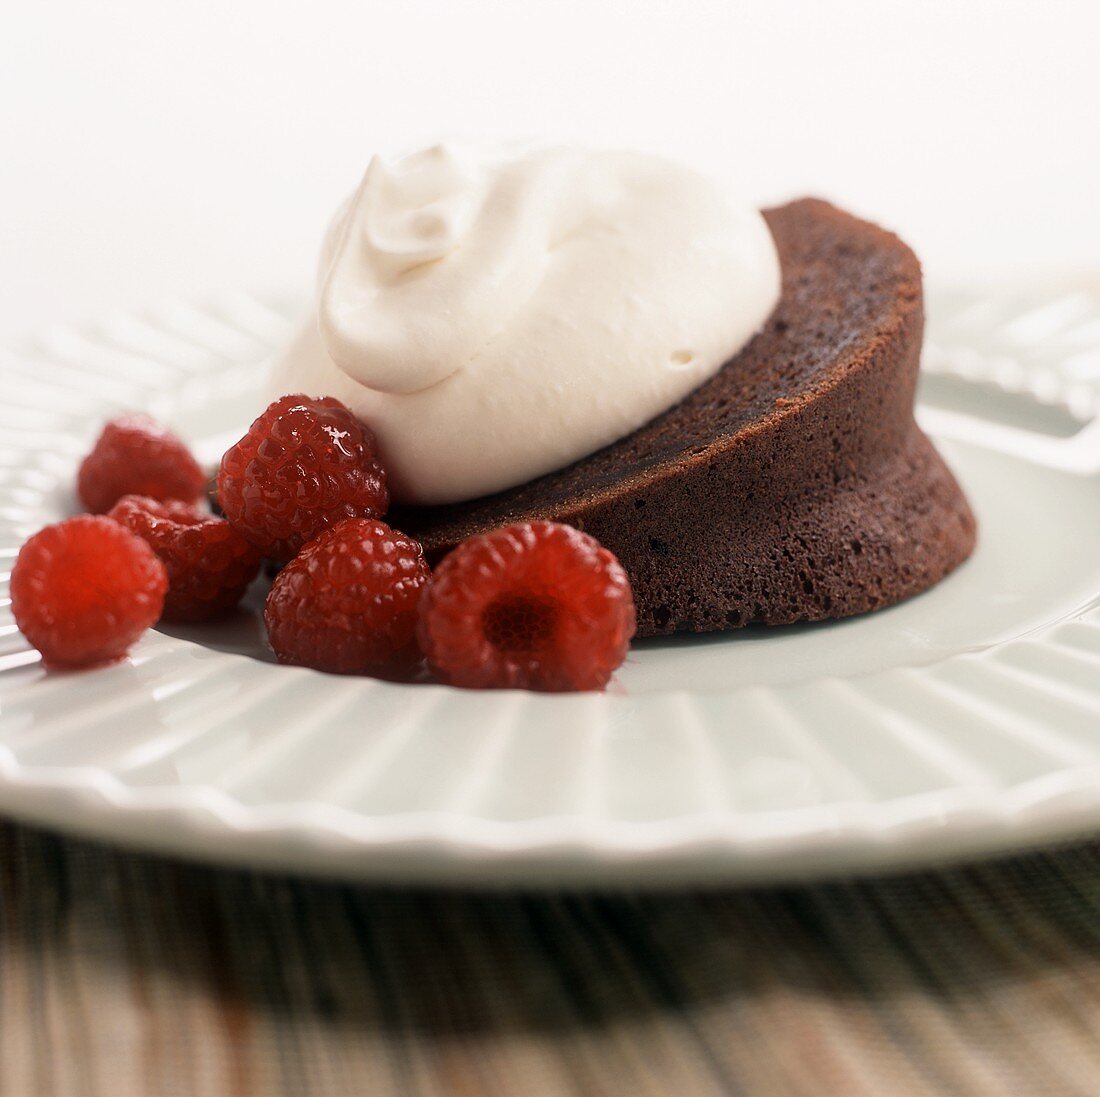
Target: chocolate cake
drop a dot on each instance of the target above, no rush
(794, 485)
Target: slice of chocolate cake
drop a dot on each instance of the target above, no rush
(795, 485)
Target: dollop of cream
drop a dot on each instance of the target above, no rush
(497, 313)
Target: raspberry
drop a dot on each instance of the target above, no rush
(84, 590)
(304, 465)
(136, 456)
(347, 603)
(209, 563)
(536, 605)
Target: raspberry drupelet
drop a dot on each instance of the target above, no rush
(304, 465)
(535, 605)
(347, 603)
(209, 564)
(135, 455)
(84, 590)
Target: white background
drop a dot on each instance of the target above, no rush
(151, 149)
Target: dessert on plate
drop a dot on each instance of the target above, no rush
(592, 395)
(723, 399)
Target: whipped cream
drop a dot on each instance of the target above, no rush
(495, 314)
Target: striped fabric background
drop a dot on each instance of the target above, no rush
(128, 975)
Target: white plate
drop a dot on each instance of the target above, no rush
(964, 721)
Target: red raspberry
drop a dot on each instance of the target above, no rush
(84, 590)
(209, 563)
(347, 602)
(304, 465)
(136, 456)
(536, 605)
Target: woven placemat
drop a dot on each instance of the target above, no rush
(125, 974)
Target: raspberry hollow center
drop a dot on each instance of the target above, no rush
(520, 623)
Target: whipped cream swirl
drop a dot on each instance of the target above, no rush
(494, 314)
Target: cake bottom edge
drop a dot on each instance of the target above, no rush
(874, 539)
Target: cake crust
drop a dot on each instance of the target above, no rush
(794, 485)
